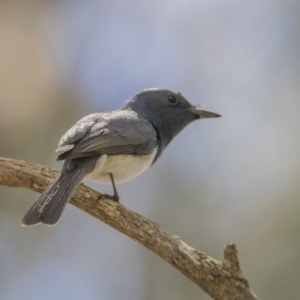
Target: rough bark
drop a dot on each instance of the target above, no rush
(222, 280)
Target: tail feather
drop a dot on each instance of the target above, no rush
(52, 202)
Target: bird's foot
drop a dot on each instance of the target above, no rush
(110, 197)
(115, 196)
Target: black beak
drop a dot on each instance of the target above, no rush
(201, 113)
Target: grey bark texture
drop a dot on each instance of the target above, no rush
(222, 280)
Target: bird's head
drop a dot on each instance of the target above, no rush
(168, 111)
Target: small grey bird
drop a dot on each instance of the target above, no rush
(114, 147)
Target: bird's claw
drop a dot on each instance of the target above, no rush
(110, 197)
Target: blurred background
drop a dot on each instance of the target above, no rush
(230, 179)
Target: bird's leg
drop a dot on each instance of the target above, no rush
(115, 196)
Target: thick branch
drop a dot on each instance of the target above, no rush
(221, 280)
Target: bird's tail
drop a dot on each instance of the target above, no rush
(50, 205)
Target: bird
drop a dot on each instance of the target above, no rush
(114, 147)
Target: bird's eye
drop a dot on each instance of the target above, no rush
(172, 99)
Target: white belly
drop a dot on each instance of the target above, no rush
(123, 167)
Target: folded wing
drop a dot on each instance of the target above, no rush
(119, 132)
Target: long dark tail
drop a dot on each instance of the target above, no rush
(50, 205)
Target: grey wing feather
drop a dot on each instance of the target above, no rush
(108, 133)
(75, 133)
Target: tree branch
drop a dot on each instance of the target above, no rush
(221, 280)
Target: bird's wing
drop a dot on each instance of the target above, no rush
(119, 132)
